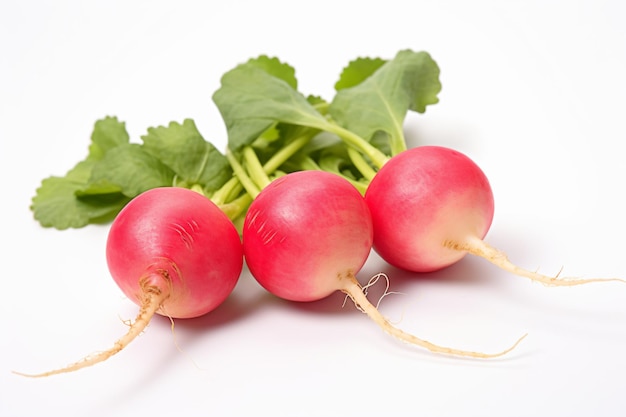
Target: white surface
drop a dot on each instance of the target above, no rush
(534, 91)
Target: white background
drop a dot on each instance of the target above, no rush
(534, 91)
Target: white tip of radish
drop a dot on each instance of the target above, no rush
(353, 289)
(151, 303)
(478, 247)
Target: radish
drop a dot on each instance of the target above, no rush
(432, 205)
(307, 234)
(172, 252)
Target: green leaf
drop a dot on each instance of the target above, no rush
(276, 68)
(357, 71)
(55, 203)
(62, 202)
(381, 101)
(107, 134)
(318, 102)
(132, 169)
(183, 149)
(251, 101)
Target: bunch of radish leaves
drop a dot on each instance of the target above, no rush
(272, 129)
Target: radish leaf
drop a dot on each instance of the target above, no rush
(381, 101)
(252, 100)
(132, 169)
(55, 203)
(183, 149)
(357, 71)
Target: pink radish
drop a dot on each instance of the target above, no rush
(431, 206)
(172, 252)
(307, 235)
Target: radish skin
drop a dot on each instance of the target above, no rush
(173, 253)
(307, 235)
(431, 206)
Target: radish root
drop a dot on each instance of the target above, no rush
(479, 247)
(373, 281)
(153, 298)
(180, 349)
(353, 289)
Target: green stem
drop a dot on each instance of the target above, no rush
(228, 197)
(237, 207)
(361, 186)
(249, 185)
(230, 189)
(361, 164)
(197, 188)
(287, 152)
(308, 164)
(377, 157)
(254, 168)
(397, 144)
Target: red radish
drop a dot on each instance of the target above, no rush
(307, 235)
(432, 205)
(172, 252)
